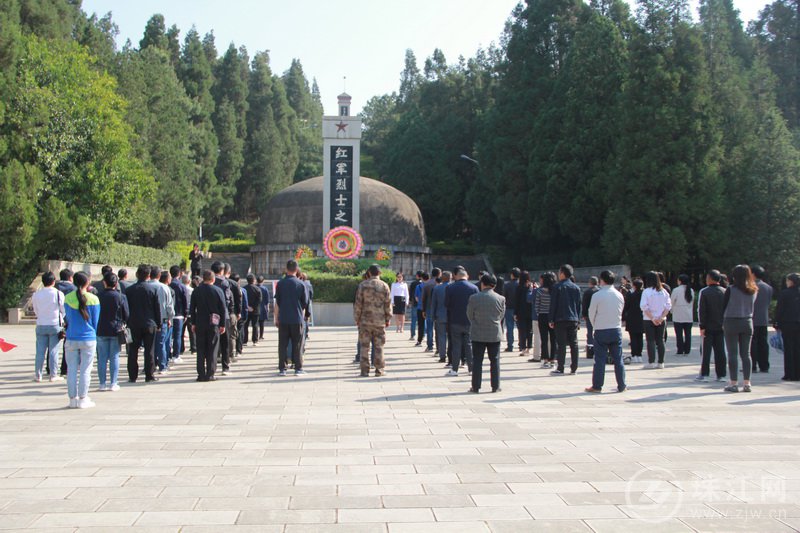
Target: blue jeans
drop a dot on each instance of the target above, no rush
(429, 330)
(47, 343)
(163, 342)
(80, 356)
(608, 343)
(177, 337)
(108, 349)
(413, 321)
(510, 329)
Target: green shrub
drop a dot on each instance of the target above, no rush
(321, 264)
(130, 255)
(231, 245)
(335, 288)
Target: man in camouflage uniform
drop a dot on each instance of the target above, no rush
(373, 311)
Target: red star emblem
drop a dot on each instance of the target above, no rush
(341, 126)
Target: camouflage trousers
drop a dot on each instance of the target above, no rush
(371, 335)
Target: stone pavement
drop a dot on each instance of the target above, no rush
(410, 452)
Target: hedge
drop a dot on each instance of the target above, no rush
(334, 288)
(319, 264)
(130, 255)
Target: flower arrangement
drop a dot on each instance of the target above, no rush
(383, 254)
(342, 242)
(303, 252)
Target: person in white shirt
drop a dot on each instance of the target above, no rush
(655, 307)
(605, 314)
(48, 304)
(400, 299)
(682, 300)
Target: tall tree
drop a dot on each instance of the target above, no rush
(309, 115)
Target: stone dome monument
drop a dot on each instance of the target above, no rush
(294, 216)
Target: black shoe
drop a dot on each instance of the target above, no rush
(442, 360)
(131, 381)
(201, 379)
(473, 391)
(509, 349)
(148, 380)
(498, 389)
(364, 375)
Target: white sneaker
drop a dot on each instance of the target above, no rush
(37, 379)
(452, 373)
(660, 366)
(73, 403)
(85, 403)
(102, 388)
(177, 360)
(55, 379)
(701, 379)
(226, 372)
(113, 388)
(649, 366)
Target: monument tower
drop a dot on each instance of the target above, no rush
(341, 136)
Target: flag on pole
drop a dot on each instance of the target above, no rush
(6, 346)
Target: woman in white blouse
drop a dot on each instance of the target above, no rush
(48, 304)
(682, 299)
(399, 301)
(655, 308)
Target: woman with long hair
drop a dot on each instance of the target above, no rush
(634, 320)
(737, 324)
(655, 306)
(787, 322)
(82, 310)
(400, 298)
(523, 313)
(542, 309)
(682, 299)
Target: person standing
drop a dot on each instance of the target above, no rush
(740, 300)
(427, 292)
(181, 307)
(225, 350)
(633, 319)
(48, 304)
(188, 287)
(419, 309)
(541, 307)
(254, 297)
(565, 309)
(82, 312)
(710, 313)
(510, 293)
(486, 312)
(196, 260)
(655, 305)
(440, 315)
(759, 346)
(456, 298)
(144, 321)
(233, 332)
(114, 313)
(241, 336)
(167, 301)
(682, 301)
(65, 286)
(605, 314)
(122, 276)
(523, 313)
(586, 299)
(372, 313)
(291, 302)
(400, 300)
(413, 302)
(208, 312)
(266, 302)
(787, 322)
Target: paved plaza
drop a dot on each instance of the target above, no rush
(410, 452)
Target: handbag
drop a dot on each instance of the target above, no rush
(62, 331)
(125, 336)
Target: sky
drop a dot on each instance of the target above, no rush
(363, 41)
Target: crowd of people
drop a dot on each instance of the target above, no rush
(456, 320)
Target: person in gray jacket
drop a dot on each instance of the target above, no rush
(740, 299)
(486, 311)
(439, 312)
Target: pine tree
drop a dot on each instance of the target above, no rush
(309, 115)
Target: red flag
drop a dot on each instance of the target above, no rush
(6, 346)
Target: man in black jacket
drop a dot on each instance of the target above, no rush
(208, 312)
(224, 343)
(233, 332)
(254, 297)
(711, 311)
(586, 300)
(510, 293)
(565, 308)
(144, 322)
(181, 304)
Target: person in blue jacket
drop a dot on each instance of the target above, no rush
(82, 314)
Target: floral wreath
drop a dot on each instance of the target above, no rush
(342, 242)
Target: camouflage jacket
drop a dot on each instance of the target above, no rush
(373, 303)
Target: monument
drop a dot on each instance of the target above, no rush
(303, 213)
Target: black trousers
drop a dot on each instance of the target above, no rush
(759, 349)
(290, 333)
(225, 347)
(525, 327)
(253, 324)
(207, 350)
(790, 331)
(655, 340)
(683, 336)
(144, 337)
(420, 326)
(714, 340)
(637, 343)
(567, 335)
(548, 337)
(478, 349)
(261, 321)
(240, 336)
